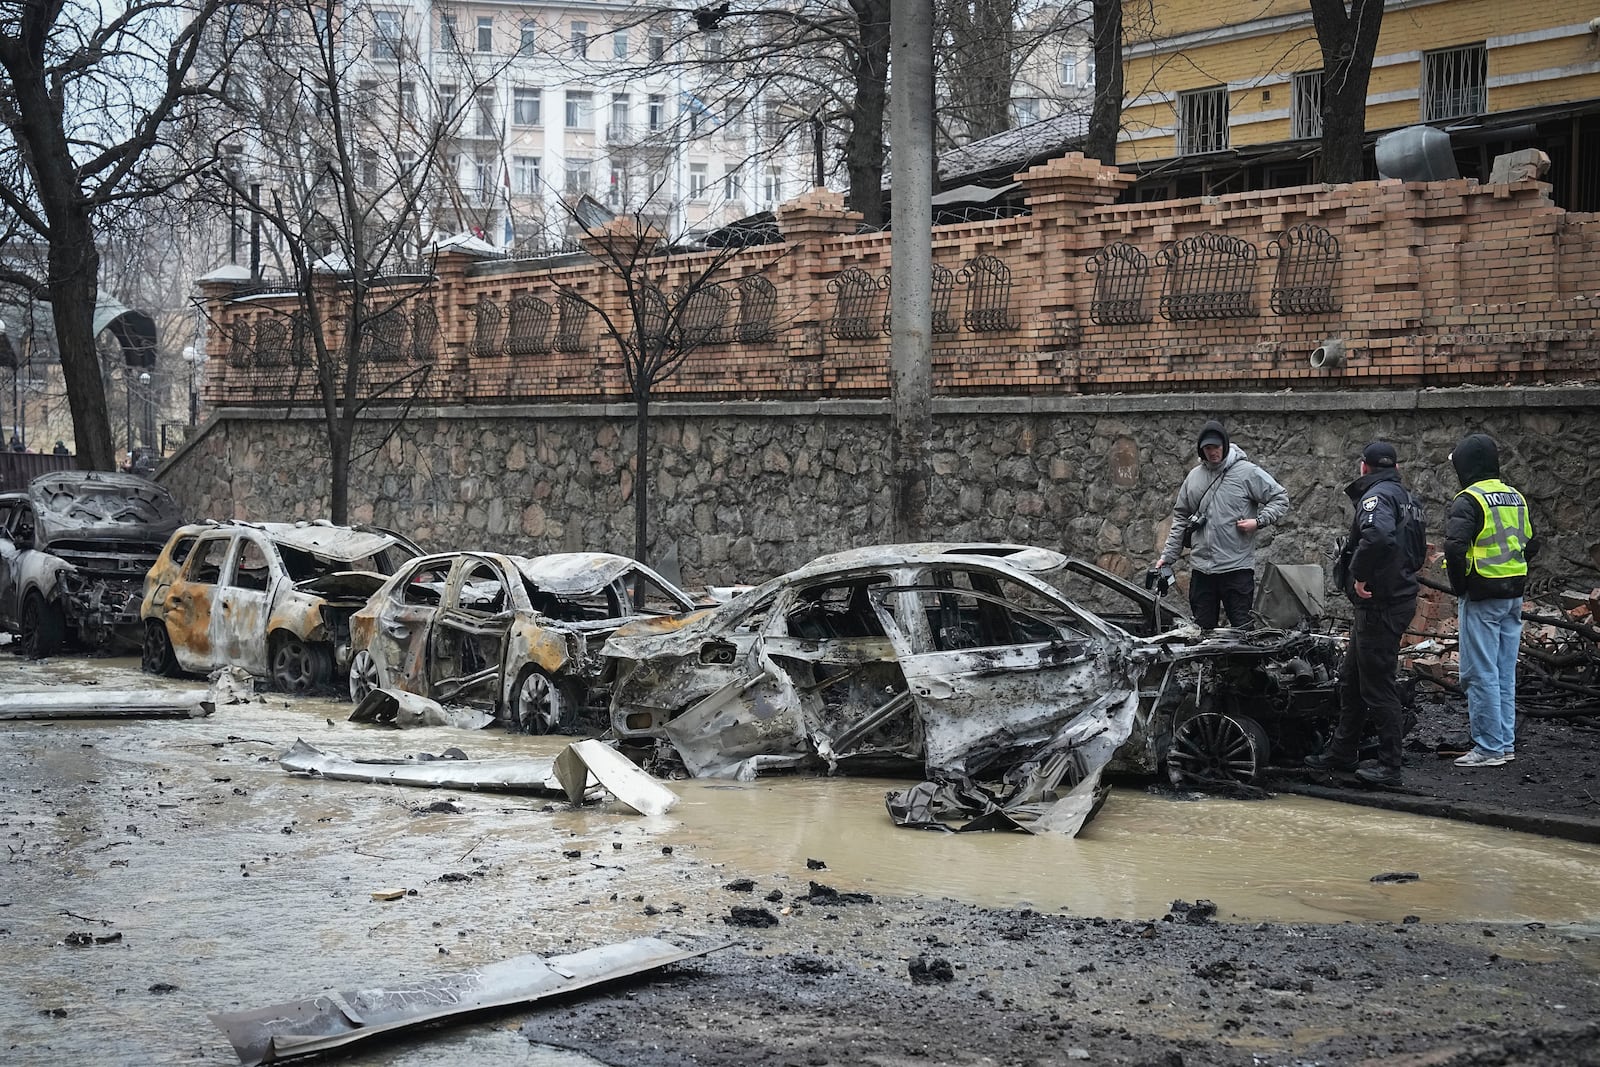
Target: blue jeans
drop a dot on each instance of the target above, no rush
(1490, 634)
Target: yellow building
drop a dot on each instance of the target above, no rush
(1222, 96)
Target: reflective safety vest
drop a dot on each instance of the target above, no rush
(1497, 553)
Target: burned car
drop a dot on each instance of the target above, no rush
(968, 662)
(274, 598)
(515, 634)
(74, 550)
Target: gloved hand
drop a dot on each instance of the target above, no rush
(1160, 579)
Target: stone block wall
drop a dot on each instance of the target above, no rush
(742, 492)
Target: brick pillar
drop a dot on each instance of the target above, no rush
(810, 223)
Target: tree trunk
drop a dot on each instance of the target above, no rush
(74, 289)
(869, 73)
(1348, 40)
(1105, 120)
(641, 474)
(341, 437)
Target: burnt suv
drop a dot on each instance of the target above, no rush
(74, 550)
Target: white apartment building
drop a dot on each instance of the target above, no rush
(557, 100)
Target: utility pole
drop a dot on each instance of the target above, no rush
(911, 274)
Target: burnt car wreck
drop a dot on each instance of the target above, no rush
(74, 550)
(1010, 677)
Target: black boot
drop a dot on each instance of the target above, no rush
(1328, 761)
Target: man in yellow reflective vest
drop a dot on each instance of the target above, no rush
(1488, 541)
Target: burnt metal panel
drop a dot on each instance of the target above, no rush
(1208, 276)
(1307, 271)
(1121, 276)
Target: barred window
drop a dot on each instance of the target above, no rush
(1305, 106)
(1453, 82)
(1202, 121)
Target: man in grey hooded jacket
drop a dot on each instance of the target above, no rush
(1222, 505)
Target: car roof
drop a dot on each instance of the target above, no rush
(1026, 558)
(320, 538)
(578, 573)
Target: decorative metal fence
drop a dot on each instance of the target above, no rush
(486, 332)
(1307, 271)
(988, 284)
(758, 300)
(1208, 276)
(859, 304)
(528, 326)
(1121, 277)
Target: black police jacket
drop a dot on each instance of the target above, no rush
(1388, 541)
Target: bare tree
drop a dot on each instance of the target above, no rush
(87, 103)
(349, 176)
(1347, 32)
(663, 303)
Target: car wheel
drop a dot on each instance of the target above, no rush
(537, 705)
(363, 675)
(43, 629)
(158, 657)
(299, 667)
(1214, 748)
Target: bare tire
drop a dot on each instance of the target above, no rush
(363, 675)
(1216, 747)
(43, 629)
(299, 667)
(538, 705)
(157, 655)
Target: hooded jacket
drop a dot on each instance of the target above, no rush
(1388, 541)
(1213, 498)
(1475, 459)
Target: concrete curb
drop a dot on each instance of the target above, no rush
(1548, 824)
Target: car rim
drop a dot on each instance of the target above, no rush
(363, 675)
(538, 704)
(157, 649)
(293, 667)
(1214, 747)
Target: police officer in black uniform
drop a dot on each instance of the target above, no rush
(1377, 570)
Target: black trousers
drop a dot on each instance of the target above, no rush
(1231, 591)
(1369, 686)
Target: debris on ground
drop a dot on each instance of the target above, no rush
(96, 704)
(392, 707)
(338, 1020)
(528, 775)
(232, 685)
(618, 775)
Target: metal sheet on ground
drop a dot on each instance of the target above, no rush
(119, 704)
(335, 1020)
(618, 774)
(510, 775)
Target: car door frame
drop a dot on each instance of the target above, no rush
(481, 687)
(402, 631)
(240, 617)
(188, 601)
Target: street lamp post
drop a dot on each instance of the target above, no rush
(192, 360)
(146, 415)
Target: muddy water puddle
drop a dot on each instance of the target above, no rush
(237, 885)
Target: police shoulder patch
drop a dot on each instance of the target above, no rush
(1370, 504)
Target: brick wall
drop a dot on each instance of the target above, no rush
(1438, 284)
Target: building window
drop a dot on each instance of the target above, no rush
(1305, 105)
(619, 44)
(525, 107)
(578, 177)
(448, 38)
(525, 175)
(486, 33)
(1025, 110)
(488, 121)
(657, 45)
(657, 110)
(714, 46)
(1069, 69)
(1453, 81)
(369, 169)
(483, 180)
(620, 105)
(447, 104)
(772, 187)
(408, 99)
(697, 181)
(386, 34)
(732, 185)
(772, 120)
(1202, 121)
(580, 39)
(614, 188)
(579, 108)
